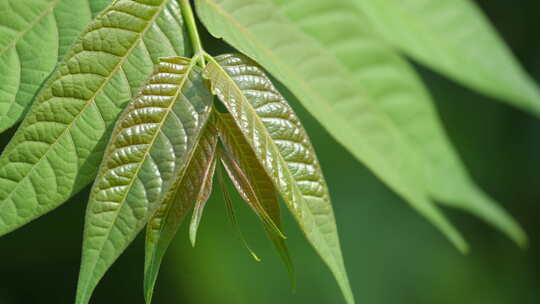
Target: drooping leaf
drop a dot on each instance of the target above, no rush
(365, 94)
(231, 213)
(34, 35)
(150, 147)
(253, 184)
(194, 188)
(455, 38)
(282, 147)
(61, 141)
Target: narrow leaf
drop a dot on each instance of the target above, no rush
(61, 141)
(366, 95)
(150, 147)
(455, 38)
(195, 186)
(34, 35)
(231, 213)
(283, 148)
(253, 184)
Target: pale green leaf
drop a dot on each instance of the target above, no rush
(194, 188)
(34, 35)
(283, 148)
(150, 148)
(455, 38)
(57, 149)
(366, 96)
(253, 184)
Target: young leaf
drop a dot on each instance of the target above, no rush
(282, 147)
(56, 150)
(34, 34)
(253, 184)
(456, 39)
(194, 187)
(150, 147)
(366, 96)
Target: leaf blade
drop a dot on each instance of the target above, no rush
(244, 89)
(63, 137)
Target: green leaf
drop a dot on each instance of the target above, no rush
(34, 35)
(365, 94)
(253, 184)
(150, 147)
(56, 150)
(194, 187)
(283, 148)
(456, 39)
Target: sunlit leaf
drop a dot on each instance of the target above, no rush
(34, 34)
(194, 188)
(283, 148)
(58, 147)
(455, 38)
(363, 93)
(253, 184)
(150, 147)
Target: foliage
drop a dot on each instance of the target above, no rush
(128, 84)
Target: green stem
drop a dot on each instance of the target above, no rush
(189, 19)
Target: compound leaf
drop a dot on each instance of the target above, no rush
(365, 94)
(194, 188)
(34, 35)
(58, 147)
(283, 149)
(150, 147)
(455, 38)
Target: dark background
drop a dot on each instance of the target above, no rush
(393, 255)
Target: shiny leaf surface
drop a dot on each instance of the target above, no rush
(61, 141)
(34, 35)
(253, 184)
(455, 38)
(283, 148)
(365, 95)
(150, 147)
(194, 188)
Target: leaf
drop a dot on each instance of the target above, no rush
(365, 95)
(253, 184)
(283, 148)
(194, 187)
(150, 147)
(34, 34)
(57, 148)
(456, 39)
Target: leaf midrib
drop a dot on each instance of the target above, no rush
(22, 33)
(92, 99)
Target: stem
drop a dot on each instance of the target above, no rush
(189, 19)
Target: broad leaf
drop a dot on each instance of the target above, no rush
(34, 34)
(150, 148)
(194, 188)
(283, 148)
(61, 141)
(366, 96)
(253, 184)
(456, 39)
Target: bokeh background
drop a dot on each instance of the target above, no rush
(393, 255)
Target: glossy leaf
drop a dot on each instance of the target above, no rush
(455, 38)
(150, 147)
(253, 184)
(194, 188)
(365, 94)
(61, 141)
(283, 148)
(34, 35)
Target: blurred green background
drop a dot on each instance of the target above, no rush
(393, 255)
